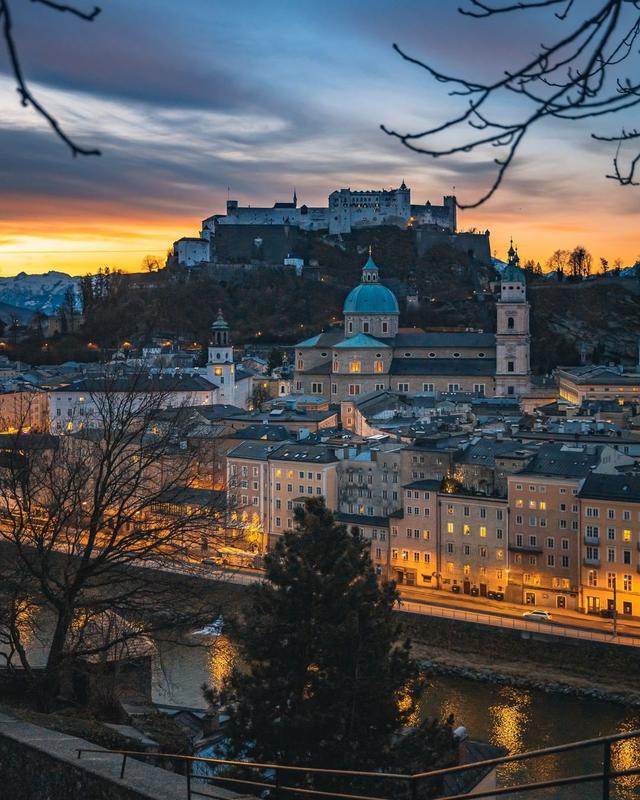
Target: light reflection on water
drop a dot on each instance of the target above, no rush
(526, 720)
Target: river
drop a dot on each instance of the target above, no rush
(515, 719)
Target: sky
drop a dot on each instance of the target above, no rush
(195, 101)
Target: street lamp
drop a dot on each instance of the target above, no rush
(614, 586)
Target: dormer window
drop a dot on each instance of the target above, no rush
(510, 323)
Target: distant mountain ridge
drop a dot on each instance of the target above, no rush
(33, 293)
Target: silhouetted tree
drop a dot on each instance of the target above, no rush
(324, 681)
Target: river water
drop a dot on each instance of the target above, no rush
(514, 719)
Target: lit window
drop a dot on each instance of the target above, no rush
(355, 366)
(483, 531)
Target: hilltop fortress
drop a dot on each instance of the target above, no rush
(346, 210)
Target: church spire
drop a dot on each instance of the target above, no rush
(295, 198)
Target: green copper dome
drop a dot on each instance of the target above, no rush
(370, 297)
(512, 274)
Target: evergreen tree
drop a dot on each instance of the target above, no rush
(323, 680)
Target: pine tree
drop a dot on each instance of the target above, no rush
(323, 682)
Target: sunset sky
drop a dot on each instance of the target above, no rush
(190, 99)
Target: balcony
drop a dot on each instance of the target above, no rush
(591, 539)
(591, 562)
(525, 548)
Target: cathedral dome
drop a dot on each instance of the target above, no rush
(370, 296)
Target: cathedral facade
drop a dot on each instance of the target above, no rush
(371, 352)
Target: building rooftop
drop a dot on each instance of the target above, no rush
(563, 461)
(254, 451)
(418, 338)
(484, 367)
(305, 453)
(624, 488)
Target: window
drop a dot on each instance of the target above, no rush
(467, 550)
(449, 527)
(355, 366)
(316, 388)
(627, 583)
(611, 579)
(479, 388)
(385, 327)
(365, 327)
(454, 387)
(354, 388)
(510, 323)
(551, 542)
(626, 535)
(510, 366)
(592, 577)
(626, 556)
(403, 387)
(466, 530)
(483, 532)
(449, 547)
(427, 387)
(611, 555)
(611, 534)
(551, 560)
(592, 512)
(565, 562)
(483, 552)
(378, 366)
(499, 555)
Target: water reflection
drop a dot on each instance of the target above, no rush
(222, 658)
(521, 720)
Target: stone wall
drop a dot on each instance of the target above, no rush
(40, 764)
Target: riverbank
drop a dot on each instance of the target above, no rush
(584, 670)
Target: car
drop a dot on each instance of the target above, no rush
(537, 615)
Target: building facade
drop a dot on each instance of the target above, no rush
(371, 353)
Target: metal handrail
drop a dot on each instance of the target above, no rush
(606, 776)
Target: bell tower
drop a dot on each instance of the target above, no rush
(513, 370)
(220, 367)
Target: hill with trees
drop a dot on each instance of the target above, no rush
(272, 304)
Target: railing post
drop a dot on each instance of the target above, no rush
(414, 788)
(606, 771)
(188, 781)
(124, 764)
(276, 785)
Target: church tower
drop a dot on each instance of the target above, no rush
(220, 367)
(513, 372)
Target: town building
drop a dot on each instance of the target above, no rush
(299, 471)
(545, 548)
(473, 537)
(593, 382)
(610, 531)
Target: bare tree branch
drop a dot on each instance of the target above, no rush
(570, 79)
(26, 96)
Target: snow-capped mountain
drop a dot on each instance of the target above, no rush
(38, 292)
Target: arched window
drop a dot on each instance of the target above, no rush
(510, 323)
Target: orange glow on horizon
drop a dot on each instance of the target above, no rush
(80, 243)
